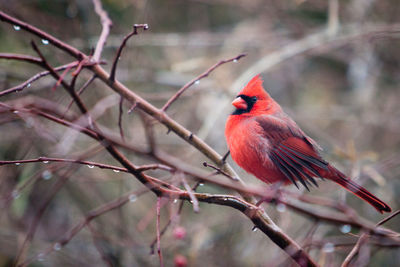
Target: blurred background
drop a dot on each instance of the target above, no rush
(334, 66)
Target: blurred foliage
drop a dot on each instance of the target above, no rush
(346, 97)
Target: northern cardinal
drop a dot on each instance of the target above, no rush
(267, 143)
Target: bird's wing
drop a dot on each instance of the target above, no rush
(293, 152)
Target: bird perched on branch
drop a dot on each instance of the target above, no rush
(267, 143)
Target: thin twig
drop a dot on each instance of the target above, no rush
(388, 218)
(121, 110)
(225, 156)
(132, 108)
(309, 236)
(121, 47)
(158, 232)
(80, 91)
(29, 82)
(167, 225)
(198, 78)
(39, 75)
(76, 73)
(192, 196)
(106, 24)
(38, 215)
(70, 90)
(90, 164)
(363, 239)
(60, 79)
(205, 164)
(91, 215)
(333, 17)
(106, 258)
(149, 129)
(20, 57)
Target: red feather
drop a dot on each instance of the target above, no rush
(267, 143)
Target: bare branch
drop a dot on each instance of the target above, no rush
(106, 24)
(193, 198)
(28, 82)
(65, 72)
(76, 73)
(198, 78)
(121, 47)
(362, 240)
(56, 42)
(91, 164)
(173, 217)
(42, 208)
(80, 91)
(205, 164)
(121, 110)
(19, 57)
(394, 214)
(158, 232)
(90, 216)
(333, 17)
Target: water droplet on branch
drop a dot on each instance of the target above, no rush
(40, 257)
(328, 247)
(280, 207)
(17, 28)
(45, 41)
(132, 198)
(57, 246)
(15, 194)
(90, 166)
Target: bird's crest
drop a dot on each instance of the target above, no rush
(255, 88)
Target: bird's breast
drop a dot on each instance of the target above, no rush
(249, 149)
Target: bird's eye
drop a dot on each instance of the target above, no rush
(254, 99)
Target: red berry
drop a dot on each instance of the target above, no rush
(180, 261)
(179, 232)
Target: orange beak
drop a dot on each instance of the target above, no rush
(239, 103)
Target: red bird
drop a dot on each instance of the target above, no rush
(267, 143)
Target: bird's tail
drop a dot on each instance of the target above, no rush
(336, 176)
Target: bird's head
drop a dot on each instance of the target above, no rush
(253, 99)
